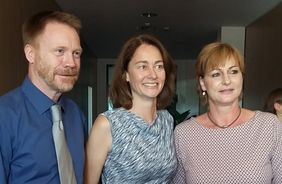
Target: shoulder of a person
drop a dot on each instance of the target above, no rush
(11, 107)
(264, 115)
(116, 112)
(100, 130)
(100, 126)
(267, 119)
(272, 120)
(101, 122)
(184, 125)
(164, 112)
(11, 96)
(11, 101)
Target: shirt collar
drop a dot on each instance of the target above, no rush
(39, 100)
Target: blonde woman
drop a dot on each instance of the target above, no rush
(227, 144)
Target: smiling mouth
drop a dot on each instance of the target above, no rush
(226, 90)
(67, 74)
(150, 84)
(67, 77)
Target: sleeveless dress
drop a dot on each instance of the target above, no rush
(141, 153)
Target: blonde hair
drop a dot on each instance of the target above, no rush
(212, 56)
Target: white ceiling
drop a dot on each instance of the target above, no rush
(107, 24)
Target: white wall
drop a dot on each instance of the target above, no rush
(234, 36)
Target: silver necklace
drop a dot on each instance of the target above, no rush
(224, 126)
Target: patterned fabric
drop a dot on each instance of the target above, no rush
(141, 153)
(250, 153)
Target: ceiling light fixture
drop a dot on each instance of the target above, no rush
(149, 14)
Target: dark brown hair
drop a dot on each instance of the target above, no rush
(120, 92)
(33, 26)
(273, 97)
(212, 56)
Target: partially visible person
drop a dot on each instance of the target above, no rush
(273, 103)
(133, 143)
(227, 144)
(27, 151)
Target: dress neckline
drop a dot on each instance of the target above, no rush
(149, 124)
(242, 125)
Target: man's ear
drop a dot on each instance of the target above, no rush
(29, 53)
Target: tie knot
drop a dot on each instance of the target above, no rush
(56, 113)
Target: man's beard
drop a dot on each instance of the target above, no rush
(58, 84)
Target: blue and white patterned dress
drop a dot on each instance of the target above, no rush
(141, 153)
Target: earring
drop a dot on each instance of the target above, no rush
(204, 93)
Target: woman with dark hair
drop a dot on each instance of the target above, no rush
(133, 142)
(273, 103)
(227, 144)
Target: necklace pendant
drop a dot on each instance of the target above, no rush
(224, 126)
